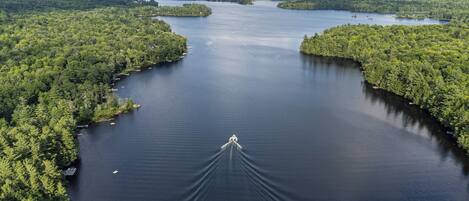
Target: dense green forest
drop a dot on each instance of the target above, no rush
(419, 9)
(427, 64)
(25, 5)
(55, 72)
(56, 68)
(186, 10)
(298, 5)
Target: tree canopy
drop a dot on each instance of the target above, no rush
(56, 68)
(427, 64)
(41, 5)
(186, 10)
(437, 9)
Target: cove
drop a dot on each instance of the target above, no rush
(310, 128)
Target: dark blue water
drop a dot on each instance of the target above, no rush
(310, 128)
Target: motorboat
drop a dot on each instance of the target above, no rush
(233, 140)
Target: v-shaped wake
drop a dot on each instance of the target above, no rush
(204, 183)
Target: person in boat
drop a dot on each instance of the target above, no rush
(233, 140)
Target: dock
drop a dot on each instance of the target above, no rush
(82, 126)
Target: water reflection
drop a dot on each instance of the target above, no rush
(414, 117)
(341, 67)
(410, 118)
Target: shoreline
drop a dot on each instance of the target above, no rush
(448, 130)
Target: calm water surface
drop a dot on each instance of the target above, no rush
(310, 128)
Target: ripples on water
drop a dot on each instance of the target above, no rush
(309, 126)
(231, 163)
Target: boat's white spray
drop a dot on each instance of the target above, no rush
(233, 140)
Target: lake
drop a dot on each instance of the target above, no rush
(310, 128)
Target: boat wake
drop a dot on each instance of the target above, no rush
(216, 175)
(199, 187)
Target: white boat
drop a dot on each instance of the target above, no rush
(70, 171)
(233, 140)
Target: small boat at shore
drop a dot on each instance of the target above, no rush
(70, 171)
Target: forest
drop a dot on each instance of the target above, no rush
(186, 10)
(56, 71)
(429, 65)
(417, 9)
(42, 5)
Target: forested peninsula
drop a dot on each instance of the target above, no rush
(416, 9)
(429, 65)
(57, 61)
